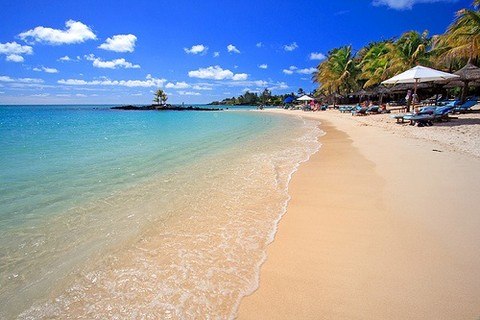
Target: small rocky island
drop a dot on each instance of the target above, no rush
(164, 108)
(160, 104)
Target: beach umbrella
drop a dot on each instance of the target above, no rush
(305, 98)
(419, 74)
(334, 96)
(360, 93)
(381, 91)
(469, 73)
(288, 99)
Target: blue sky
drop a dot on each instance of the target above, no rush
(197, 51)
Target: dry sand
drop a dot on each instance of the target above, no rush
(380, 226)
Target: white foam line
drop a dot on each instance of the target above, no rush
(271, 237)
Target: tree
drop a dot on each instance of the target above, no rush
(265, 96)
(374, 63)
(160, 97)
(410, 50)
(462, 39)
(338, 72)
(300, 92)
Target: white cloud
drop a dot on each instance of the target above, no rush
(196, 49)
(216, 73)
(306, 70)
(13, 51)
(75, 32)
(15, 48)
(240, 76)
(263, 66)
(80, 95)
(216, 54)
(294, 69)
(22, 80)
(112, 64)
(188, 93)
(290, 47)
(199, 87)
(232, 48)
(259, 45)
(404, 4)
(120, 43)
(178, 85)
(317, 56)
(45, 69)
(148, 82)
(40, 95)
(14, 58)
(65, 58)
(63, 95)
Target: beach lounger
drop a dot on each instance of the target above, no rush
(359, 111)
(401, 117)
(373, 110)
(466, 106)
(439, 114)
(344, 109)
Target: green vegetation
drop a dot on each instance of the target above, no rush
(253, 99)
(344, 71)
(160, 97)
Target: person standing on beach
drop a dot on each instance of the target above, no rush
(408, 99)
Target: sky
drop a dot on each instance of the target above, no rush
(120, 52)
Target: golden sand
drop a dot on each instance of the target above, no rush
(380, 226)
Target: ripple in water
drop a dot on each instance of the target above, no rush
(179, 245)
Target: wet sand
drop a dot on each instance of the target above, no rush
(380, 226)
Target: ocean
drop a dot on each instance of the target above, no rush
(140, 214)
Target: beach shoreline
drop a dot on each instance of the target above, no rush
(367, 234)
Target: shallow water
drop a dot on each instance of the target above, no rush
(140, 214)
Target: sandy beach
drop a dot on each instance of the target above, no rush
(383, 224)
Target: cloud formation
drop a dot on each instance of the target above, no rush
(290, 47)
(232, 48)
(263, 66)
(196, 49)
(216, 73)
(317, 56)
(75, 32)
(46, 69)
(294, 69)
(404, 4)
(112, 64)
(120, 43)
(148, 82)
(188, 93)
(13, 51)
(178, 85)
(20, 80)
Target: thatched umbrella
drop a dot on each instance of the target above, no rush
(334, 96)
(469, 73)
(380, 90)
(360, 94)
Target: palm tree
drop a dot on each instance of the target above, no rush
(160, 97)
(374, 63)
(337, 73)
(462, 39)
(411, 49)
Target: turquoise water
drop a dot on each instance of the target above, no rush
(85, 188)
